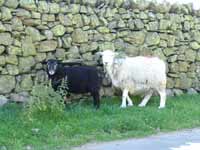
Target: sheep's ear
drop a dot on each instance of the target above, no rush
(59, 62)
(44, 62)
(116, 54)
(99, 53)
(120, 54)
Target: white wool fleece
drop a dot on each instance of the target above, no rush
(136, 75)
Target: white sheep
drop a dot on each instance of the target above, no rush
(136, 75)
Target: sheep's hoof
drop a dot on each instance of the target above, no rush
(141, 105)
(130, 104)
(123, 106)
(161, 107)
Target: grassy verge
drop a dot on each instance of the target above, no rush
(81, 123)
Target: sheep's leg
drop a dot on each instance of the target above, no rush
(96, 99)
(162, 98)
(130, 103)
(146, 99)
(124, 96)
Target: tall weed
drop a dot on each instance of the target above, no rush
(44, 100)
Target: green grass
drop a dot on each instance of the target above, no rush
(81, 123)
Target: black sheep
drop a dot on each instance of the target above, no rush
(79, 79)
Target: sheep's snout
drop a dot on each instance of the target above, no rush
(51, 72)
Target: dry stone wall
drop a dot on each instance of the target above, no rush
(32, 31)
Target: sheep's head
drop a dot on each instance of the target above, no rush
(107, 57)
(52, 66)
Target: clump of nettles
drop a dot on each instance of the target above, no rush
(44, 100)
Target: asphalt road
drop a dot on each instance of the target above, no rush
(181, 140)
